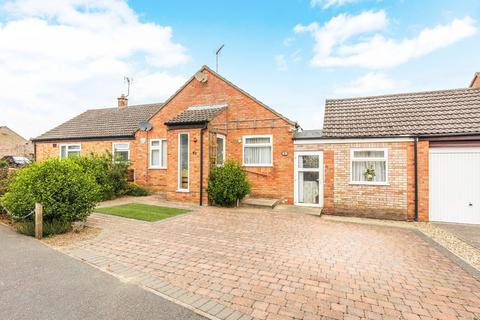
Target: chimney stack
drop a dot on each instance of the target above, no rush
(122, 102)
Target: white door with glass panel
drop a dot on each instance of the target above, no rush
(309, 178)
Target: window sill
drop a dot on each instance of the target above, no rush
(183, 190)
(258, 165)
(369, 183)
(157, 168)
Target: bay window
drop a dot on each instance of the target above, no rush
(369, 166)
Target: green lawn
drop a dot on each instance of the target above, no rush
(143, 212)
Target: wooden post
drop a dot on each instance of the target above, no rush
(38, 221)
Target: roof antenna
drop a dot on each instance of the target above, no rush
(129, 81)
(216, 57)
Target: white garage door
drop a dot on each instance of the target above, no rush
(455, 185)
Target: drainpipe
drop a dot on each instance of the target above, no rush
(201, 163)
(416, 176)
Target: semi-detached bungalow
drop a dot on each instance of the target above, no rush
(412, 156)
(173, 145)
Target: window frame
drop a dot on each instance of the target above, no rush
(224, 138)
(113, 149)
(179, 169)
(244, 145)
(384, 158)
(67, 146)
(159, 148)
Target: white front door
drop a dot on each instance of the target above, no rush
(309, 178)
(455, 185)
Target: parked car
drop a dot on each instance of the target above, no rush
(16, 161)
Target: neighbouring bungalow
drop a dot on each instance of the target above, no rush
(410, 156)
(173, 145)
(14, 145)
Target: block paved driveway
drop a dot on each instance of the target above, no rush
(271, 265)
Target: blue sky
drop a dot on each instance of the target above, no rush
(291, 55)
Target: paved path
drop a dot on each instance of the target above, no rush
(282, 265)
(37, 282)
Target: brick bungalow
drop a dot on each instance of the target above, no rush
(412, 156)
(173, 145)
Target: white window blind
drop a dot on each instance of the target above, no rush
(257, 150)
(121, 151)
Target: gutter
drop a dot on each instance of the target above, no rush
(415, 161)
(201, 162)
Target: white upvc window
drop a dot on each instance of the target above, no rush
(70, 150)
(158, 153)
(369, 166)
(258, 151)
(221, 145)
(121, 151)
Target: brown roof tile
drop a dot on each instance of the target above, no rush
(101, 123)
(453, 111)
(196, 115)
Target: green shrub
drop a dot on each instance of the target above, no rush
(136, 191)
(5, 180)
(65, 190)
(227, 184)
(3, 164)
(49, 228)
(111, 176)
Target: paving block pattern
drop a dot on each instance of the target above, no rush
(246, 263)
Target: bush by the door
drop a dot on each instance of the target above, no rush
(66, 191)
(227, 184)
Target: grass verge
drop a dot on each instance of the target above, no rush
(143, 212)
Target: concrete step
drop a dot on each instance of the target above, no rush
(265, 203)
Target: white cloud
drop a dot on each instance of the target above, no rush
(59, 57)
(281, 62)
(325, 4)
(356, 40)
(370, 84)
(287, 42)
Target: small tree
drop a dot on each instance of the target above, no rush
(228, 184)
(65, 190)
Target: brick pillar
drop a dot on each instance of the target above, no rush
(423, 155)
(328, 184)
(410, 181)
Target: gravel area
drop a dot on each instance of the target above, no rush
(446, 239)
(69, 238)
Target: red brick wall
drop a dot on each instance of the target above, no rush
(46, 150)
(244, 116)
(476, 81)
(423, 179)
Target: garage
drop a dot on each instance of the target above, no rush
(454, 185)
